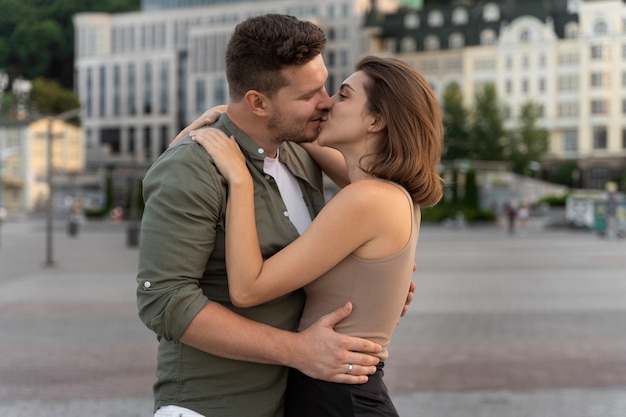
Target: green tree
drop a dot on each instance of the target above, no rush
(487, 134)
(37, 36)
(39, 43)
(48, 97)
(455, 118)
(529, 142)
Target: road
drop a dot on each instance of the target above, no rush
(529, 325)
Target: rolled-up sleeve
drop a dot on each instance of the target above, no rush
(183, 198)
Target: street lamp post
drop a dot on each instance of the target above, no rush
(70, 114)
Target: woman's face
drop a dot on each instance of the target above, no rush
(348, 119)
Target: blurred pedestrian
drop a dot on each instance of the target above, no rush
(511, 214)
(523, 214)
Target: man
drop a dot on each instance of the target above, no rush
(213, 358)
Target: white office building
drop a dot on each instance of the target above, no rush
(143, 76)
(567, 56)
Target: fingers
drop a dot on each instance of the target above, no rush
(409, 298)
(331, 319)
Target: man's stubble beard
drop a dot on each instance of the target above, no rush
(285, 133)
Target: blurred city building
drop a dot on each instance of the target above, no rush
(567, 56)
(141, 77)
(24, 185)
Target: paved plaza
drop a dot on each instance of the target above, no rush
(530, 325)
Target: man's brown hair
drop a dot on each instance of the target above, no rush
(261, 46)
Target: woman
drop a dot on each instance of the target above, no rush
(386, 123)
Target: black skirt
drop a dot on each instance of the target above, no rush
(308, 397)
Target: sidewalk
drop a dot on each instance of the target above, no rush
(501, 326)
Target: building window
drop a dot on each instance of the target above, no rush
(623, 138)
(599, 107)
(491, 12)
(147, 142)
(570, 141)
(487, 37)
(435, 18)
(570, 58)
(411, 21)
(116, 90)
(147, 88)
(509, 62)
(132, 145)
(164, 137)
(508, 86)
(330, 83)
(571, 30)
(525, 86)
(525, 61)
(598, 177)
(132, 90)
(456, 41)
(219, 91)
(330, 59)
(599, 138)
(568, 83)
(164, 85)
(600, 28)
(408, 44)
(597, 79)
(596, 52)
(103, 91)
(89, 89)
(624, 106)
(331, 33)
(459, 16)
(542, 85)
(431, 43)
(110, 138)
(201, 104)
(525, 36)
(345, 57)
(331, 11)
(569, 109)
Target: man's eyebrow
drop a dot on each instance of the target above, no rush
(311, 92)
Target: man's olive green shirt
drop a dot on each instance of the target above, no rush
(182, 269)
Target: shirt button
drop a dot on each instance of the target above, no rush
(267, 177)
(147, 284)
(285, 213)
(261, 150)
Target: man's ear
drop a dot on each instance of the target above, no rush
(377, 124)
(257, 102)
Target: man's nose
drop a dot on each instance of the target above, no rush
(327, 102)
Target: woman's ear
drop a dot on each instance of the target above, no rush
(377, 124)
(257, 102)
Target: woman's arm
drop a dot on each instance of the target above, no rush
(331, 161)
(345, 224)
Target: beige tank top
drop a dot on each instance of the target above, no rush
(377, 289)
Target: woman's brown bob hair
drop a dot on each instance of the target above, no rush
(411, 151)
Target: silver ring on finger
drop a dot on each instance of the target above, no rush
(349, 368)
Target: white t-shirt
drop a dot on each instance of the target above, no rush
(290, 192)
